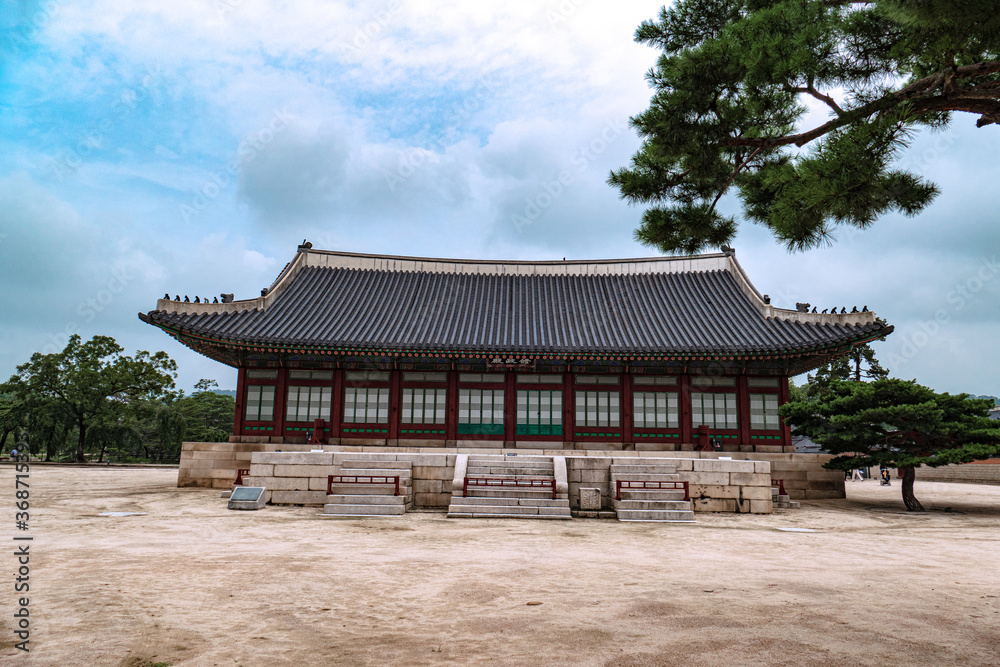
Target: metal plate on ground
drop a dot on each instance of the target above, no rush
(247, 498)
(247, 493)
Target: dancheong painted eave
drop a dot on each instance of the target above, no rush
(335, 303)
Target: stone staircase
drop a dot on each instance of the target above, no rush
(664, 505)
(513, 502)
(781, 501)
(356, 500)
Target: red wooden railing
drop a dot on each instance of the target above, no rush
(239, 476)
(780, 483)
(645, 484)
(362, 479)
(494, 482)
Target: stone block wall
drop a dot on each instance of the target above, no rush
(214, 465)
(300, 478)
(984, 472)
(714, 485)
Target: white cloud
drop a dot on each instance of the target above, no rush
(257, 262)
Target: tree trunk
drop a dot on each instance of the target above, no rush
(80, 441)
(3, 440)
(911, 502)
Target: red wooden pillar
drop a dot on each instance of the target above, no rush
(784, 395)
(685, 408)
(569, 407)
(626, 407)
(743, 409)
(510, 407)
(451, 415)
(395, 398)
(337, 403)
(241, 397)
(280, 399)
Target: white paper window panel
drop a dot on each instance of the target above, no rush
(597, 379)
(654, 379)
(425, 377)
(259, 374)
(532, 378)
(597, 408)
(260, 403)
(763, 382)
(713, 382)
(367, 376)
(310, 375)
(481, 377)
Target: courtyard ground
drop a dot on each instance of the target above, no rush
(192, 583)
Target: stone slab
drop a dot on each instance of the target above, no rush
(294, 458)
(590, 498)
(298, 497)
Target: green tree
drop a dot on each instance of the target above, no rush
(208, 416)
(727, 111)
(858, 365)
(88, 382)
(896, 423)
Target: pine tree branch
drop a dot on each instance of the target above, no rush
(810, 90)
(732, 176)
(977, 100)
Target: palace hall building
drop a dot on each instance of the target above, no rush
(654, 354)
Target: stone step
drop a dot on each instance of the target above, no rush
(478, 471)
(502, 475)
(645, 477)
(651, 504)
(623, 469)
(650, 494)
(380, 465)
(537, 502)
(494, 509)
(369, 490)
(686, 516)
(480, 492)
(363, 510)
(516, 461)
(470, 515)
(641, 461)
(377, 472)
(353, 499)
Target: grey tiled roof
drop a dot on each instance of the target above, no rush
(624, 313)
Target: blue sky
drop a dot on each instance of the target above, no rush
(188, 147)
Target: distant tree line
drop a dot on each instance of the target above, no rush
(92, 402)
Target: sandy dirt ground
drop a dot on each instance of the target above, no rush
(192, 583)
